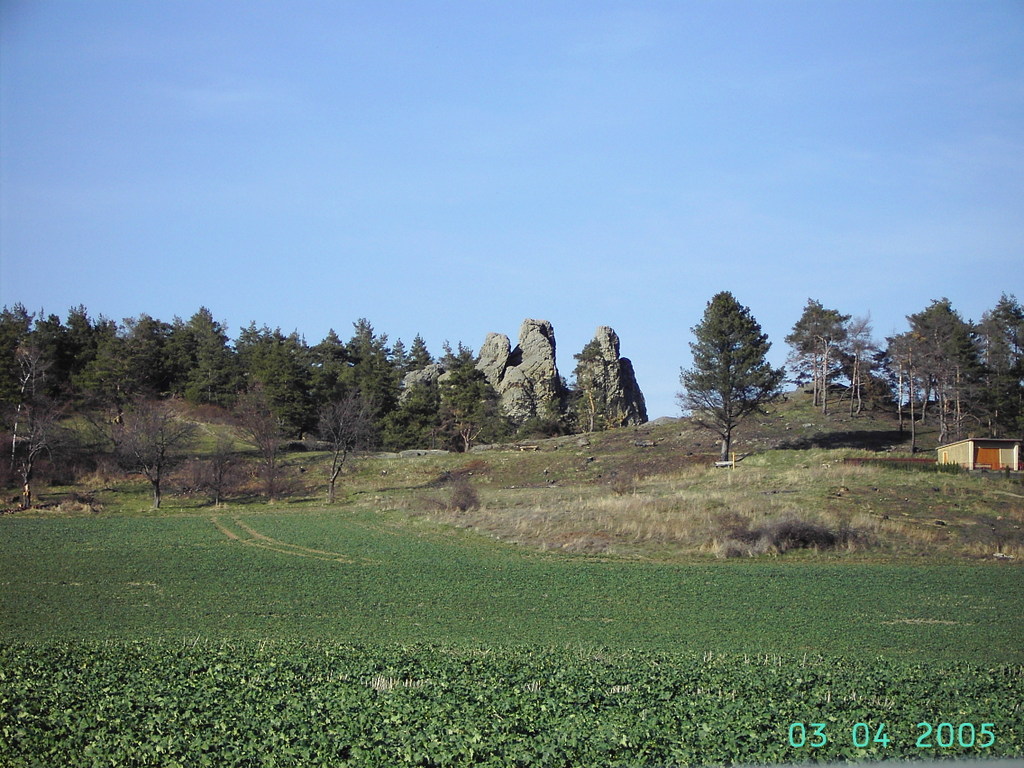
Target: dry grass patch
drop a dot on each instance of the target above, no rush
(636, 502)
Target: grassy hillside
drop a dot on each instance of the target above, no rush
(652, 492)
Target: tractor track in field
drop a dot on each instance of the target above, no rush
(253, 538)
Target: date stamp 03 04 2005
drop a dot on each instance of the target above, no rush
(930, 735)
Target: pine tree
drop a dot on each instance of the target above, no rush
(590, 389)
(419, 356)
(901, 356)
(330, 363)
(207, 369)
(470, 408)
(15, 324)
(416, 422)
(815, 340)
(280, 365)
(1001, 334)
(146, 348)
(372, 373)
(948, 358)
(106, 381)
(731, 377)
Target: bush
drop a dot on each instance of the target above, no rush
(464, 496)
(780, 536)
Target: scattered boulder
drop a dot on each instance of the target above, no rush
(661, 420)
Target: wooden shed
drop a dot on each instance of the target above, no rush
(982, 453)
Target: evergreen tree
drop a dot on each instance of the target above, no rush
(948, 358)
(146, 349)
(1001, 334)
(592, 378)
(207, 369)
(731, 377)
(372, 373)
(400, 357)
(15, 325)
(419, 356)
(280, 365)
(815, 339)
(901, 357)
(857, 358)
(51, 337)
(470, 407)
(106, 381)
(70, 347)
(83, 338)
(416, 422)
(330, 364)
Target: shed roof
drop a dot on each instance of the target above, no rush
(1001, 440)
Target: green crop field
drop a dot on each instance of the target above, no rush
(313, 637)
(353, 578)
(334, 704)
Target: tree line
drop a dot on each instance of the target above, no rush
(966, 376)
(121, 377)
(125, 379)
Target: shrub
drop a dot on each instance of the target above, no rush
(780, 536)
(623, 484)
(464, 496)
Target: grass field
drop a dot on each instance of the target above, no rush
(309, 637)
(345, 577)
(609, 601)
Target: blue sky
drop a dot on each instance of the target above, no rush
(450, 168)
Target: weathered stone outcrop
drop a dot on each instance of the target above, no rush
(428, 375)
(528, 384)
(526, 378)
(493, 359)
(610, 382)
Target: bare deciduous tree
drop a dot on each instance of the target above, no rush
(39, 435)
(149, 440)
(346, 426)
(263, 429)
(217, 475)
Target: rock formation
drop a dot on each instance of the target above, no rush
(608, 383)
(428, 375)
(526, 378)
(528, 384)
